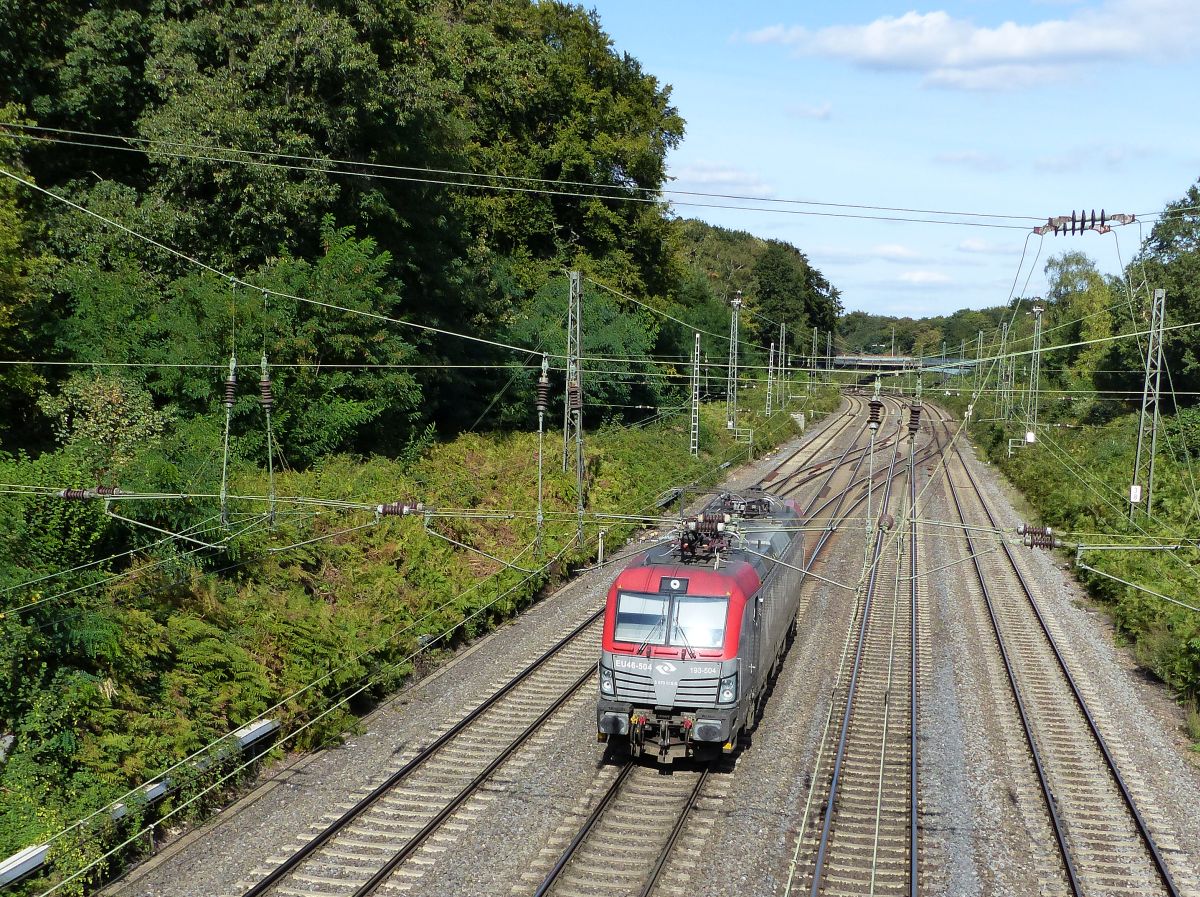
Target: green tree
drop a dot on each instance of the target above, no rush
(780, 289)
(23, 298)
(1080, 309)
(106, 419)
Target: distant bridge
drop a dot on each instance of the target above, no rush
(900, 363)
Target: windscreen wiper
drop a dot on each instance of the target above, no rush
(687, 646)
(645, 646)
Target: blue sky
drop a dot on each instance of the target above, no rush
(1014, 108)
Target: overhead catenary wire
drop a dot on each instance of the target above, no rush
(182, 256)
(519, 184)
(673, 319)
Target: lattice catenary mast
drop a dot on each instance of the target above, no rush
(1007, 373)
(1143, 466)
(731, 383)
(1035, 372)
(573, 395)
(770, 376)
(694, 442)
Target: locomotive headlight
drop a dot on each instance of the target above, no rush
(606, 681)
(727, 690)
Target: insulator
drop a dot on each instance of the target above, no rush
(264, 386)
(1072, 221)
(543, 395)
(75, 494)
(399, 508)
(1103, 218)
(1038, 536)
(575, 396)
(876, 407)
(230, 390)
(914, 418)
(707, 523)
(106, 490)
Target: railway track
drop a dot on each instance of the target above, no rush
(617, 848)
(859, 827)
(620, 849)
(373, 840)
(356, 852)
(1103, 839)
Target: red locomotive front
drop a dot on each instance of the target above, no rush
(680, 669)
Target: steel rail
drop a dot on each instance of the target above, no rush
(808, 513)
(814, 466)
(849, 634)
(289, 865)
(415, 842)
(1047, 791)
(853, 406)
(925, 453)
(309, 848)
(584, 830)
(676, 831)
(1111, 763)
(913, 886)
(843, 738)
(598, 811)
(812, 471)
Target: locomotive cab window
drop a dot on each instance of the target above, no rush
(699, 622)
(691, 621)
(642, 619)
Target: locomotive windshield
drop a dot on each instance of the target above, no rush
(699, 622)
(695, 621)
(642, 618)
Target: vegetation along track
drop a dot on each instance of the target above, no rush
(858, 829)
(1103, 838)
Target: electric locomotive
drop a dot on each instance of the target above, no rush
(695, 630)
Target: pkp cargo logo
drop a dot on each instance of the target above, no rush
(664, 668)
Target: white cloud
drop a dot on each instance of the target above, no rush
(1112, 156)
(894, 252)
(972, 159)
(977, 246)
(821, 111)
(956, 53)
(881, 252)
(924, 278)
(721, 177)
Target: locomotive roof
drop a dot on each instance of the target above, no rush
(763, 535)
